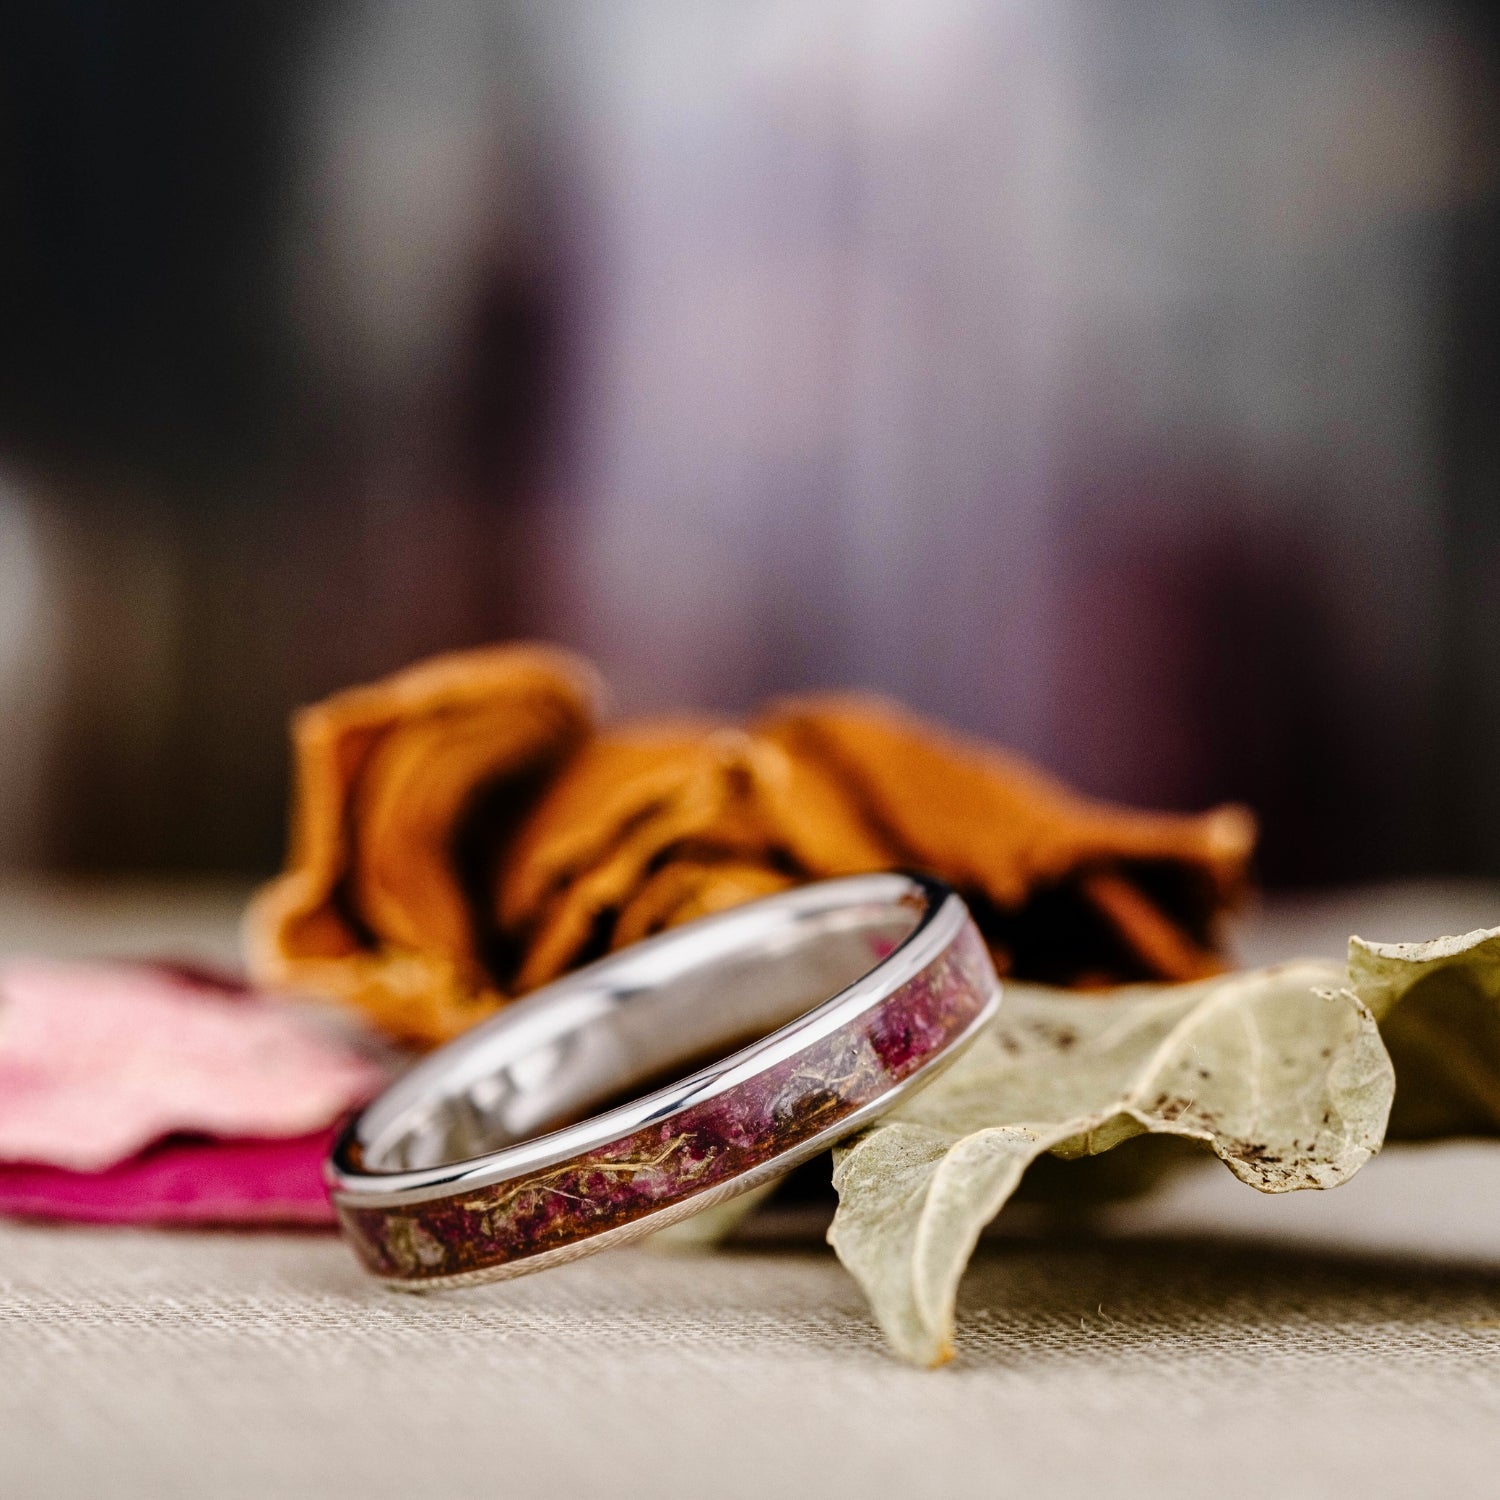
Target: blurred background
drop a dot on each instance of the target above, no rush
(1117, 379)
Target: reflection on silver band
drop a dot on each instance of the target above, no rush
(502, 1152)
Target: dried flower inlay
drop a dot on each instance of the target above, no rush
(696, 1149)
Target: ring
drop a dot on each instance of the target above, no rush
(510, 1150)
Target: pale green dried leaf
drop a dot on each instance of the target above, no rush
(1281, 1072)
(1438, 1005)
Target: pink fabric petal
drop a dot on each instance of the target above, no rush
(183, 1182)
(97, 1061)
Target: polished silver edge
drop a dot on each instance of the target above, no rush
(685, 1208)
(567, 1001)
(939, 926)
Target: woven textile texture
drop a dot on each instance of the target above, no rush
(217, 1365)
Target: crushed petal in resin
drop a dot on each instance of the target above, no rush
(696, 1149)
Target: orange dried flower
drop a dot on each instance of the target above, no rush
(400, 785)
(461, 834)
(1067, 890)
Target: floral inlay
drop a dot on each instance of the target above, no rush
(695, 1149)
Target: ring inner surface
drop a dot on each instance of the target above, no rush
(644, 1019)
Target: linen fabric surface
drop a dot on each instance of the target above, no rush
(194, 1365)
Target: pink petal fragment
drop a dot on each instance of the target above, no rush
(97, 1061)
(182, 1182)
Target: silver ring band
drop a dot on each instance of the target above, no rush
(501, 1153)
